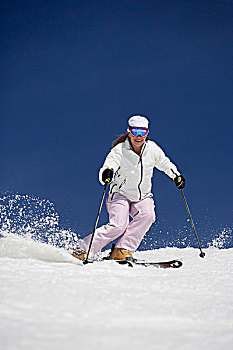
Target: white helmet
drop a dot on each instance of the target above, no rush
(138, 121)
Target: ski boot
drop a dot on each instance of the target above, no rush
(121, 254)
(79, 253)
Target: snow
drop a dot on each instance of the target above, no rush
(49, 300)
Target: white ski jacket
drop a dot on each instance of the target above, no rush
(133, 173)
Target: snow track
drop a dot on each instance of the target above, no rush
(48, 301)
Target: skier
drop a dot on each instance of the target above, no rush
(128, 168)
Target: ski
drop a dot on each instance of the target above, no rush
(163, 265)
(133, 262)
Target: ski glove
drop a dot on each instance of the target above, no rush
(180, 182)
(107, 176)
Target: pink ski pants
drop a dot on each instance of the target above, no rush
(119, 208)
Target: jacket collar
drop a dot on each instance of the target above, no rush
(128, 144)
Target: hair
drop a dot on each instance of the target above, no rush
(121, 139)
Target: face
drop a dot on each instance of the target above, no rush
(137, 140)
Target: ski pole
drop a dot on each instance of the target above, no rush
(202, 254)
(85, 261)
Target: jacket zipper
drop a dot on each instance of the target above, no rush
(140, 161)
(139, 189)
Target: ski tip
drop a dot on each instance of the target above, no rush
(177, 263)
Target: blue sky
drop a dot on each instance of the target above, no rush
(73, 72)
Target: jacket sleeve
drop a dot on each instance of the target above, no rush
(163, 163)
(112, 161)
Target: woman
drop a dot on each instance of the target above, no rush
(129, 168)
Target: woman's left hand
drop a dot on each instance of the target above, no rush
(180, 182)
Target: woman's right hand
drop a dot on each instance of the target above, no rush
(107, 176)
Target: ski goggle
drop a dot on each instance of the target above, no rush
(138, 131)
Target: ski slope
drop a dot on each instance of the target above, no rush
(48, 300)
